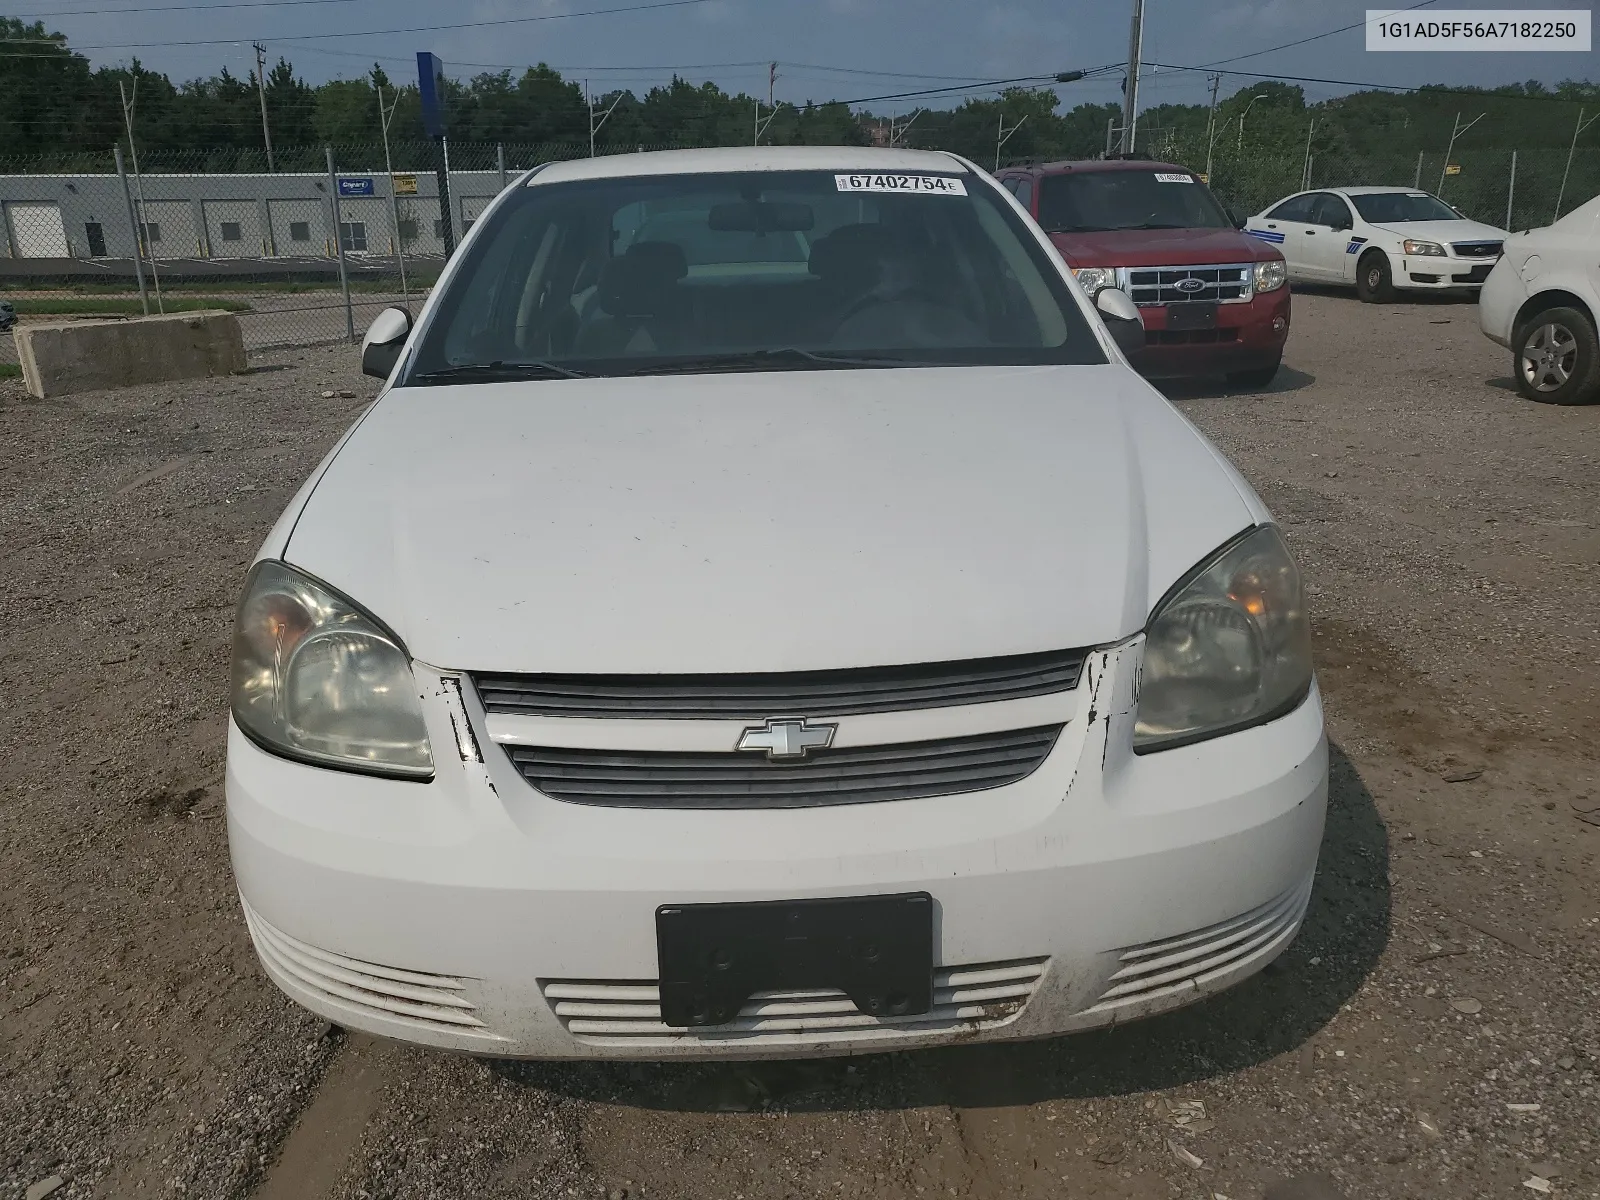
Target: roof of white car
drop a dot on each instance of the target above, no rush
(748, 158)
(1368, 191)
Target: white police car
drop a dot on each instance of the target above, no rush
(1379, 239)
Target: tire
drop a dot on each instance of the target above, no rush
(1556, 358)
(1374, 283)
(1255, 377)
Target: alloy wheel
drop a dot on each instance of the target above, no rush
(1548, 356)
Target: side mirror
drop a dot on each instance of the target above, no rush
(1238, 221)
(1122, 319)
(386, 337)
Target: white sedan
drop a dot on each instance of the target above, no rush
(1379, 239)
(764, 614)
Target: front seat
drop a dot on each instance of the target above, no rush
(642, 303)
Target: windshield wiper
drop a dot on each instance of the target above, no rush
(787, 359)
(499, 370)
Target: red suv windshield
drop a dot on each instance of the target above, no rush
(1085, 201)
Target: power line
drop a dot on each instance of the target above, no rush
(98, 12)
(1433, 89)
(353, 33)
(1314, 37)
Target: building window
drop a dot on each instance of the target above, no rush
(231, 232)
(408, 231)
(299, 231)
(152, 232)
(353, 236)
(97, 238)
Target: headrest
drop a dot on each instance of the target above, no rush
(641, 282)
(851, 251)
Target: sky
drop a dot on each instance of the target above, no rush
(826, 49)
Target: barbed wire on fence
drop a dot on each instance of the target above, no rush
(306, 255)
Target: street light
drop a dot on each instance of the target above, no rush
(1239, 147)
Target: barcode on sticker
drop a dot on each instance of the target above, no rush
(937, 185)
(1169, 177)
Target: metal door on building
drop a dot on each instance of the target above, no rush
(233, 230)
(299, 228)
(37, 231)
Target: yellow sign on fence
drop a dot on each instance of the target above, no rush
(405, 185)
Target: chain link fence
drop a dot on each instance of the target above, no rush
(305, 254)
(311, 251)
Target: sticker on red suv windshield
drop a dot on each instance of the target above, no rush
(1169, 177)
(937, 185)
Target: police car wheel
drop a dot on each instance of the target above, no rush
(1373, 282)
(1557, 358)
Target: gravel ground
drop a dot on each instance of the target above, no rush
(1432, 1033)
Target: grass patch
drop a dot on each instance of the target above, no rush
(113, 307)
(10, 371)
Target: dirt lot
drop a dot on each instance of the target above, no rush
(1432, 1033)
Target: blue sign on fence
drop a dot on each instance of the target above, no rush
(355, 187)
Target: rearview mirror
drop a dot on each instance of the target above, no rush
(1122, 319)
(761, 216)
(386, 337)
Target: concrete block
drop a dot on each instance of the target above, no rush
(60, 358)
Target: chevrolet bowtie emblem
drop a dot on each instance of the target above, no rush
(786, 739)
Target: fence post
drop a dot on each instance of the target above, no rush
(1511, 191)
(1416, 184)
(338, 241)
(500, 160)
(133, 228)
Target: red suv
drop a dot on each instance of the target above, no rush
(1214, 300)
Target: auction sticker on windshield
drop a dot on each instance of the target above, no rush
(938, 185)
(1171, 177)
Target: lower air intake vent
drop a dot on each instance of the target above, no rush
(430, 1002)
(854, 775)
(1167, 973)
(976, 997)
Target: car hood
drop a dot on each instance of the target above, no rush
(1161, 247)
(1444, 231)
(767, 522)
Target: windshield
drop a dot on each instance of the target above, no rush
(750, 271)
(1383, 207)
(1085, 201)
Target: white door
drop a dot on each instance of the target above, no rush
(37, 231)
(1326, 238)
(1290, 220)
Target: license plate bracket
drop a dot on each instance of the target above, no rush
(877, 950)
(1198, 315)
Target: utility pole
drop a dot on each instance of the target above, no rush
(1456, 130)
(1130, 99)
(594, 126)
(133, 224)
(761, 126)
(261, 90)
(1239, 145)
(1581, 126)
(1004, 136)
(772, 84)
(894, 136)
(1211, 124)
(385, 115)
(1305, 171)
(138, 184)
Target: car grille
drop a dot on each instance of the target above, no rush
(419, 1000)
(1175, 970)
(1477, 249)
(758, 696)
(1232, 283)
(732, 779)
(964, 998)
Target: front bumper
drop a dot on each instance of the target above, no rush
(1247, 336)
(1442, 274)
(473, 913)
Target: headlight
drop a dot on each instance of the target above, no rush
(1412, 246)
(1229, 647)
(1092, 279)
(316, 678)
(1270, 275)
